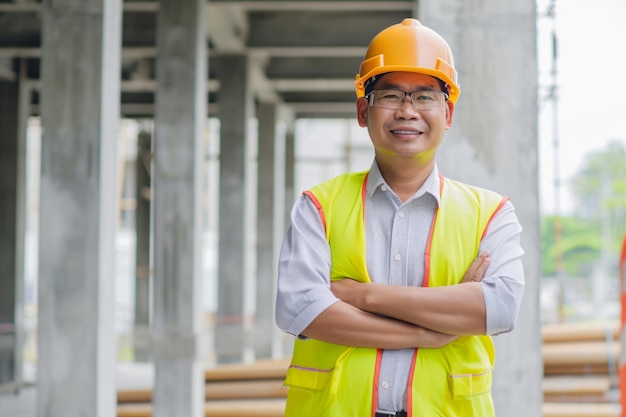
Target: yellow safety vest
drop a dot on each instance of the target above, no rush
(328, 380)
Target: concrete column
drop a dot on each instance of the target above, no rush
(143, 191)
(80, 112)
(9, 163)
(290, 171)
(14, 112)
(180, 118)
(283, 343)
(270, 224)
(236, 111)
(493, 143)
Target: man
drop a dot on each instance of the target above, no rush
(393, 278)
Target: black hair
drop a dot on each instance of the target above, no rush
(371, 83)
(444, 87)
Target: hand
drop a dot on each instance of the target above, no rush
(347, 290)
(432, 339)
(476, 271)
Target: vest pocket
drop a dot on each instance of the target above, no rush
(308, 391)
(307, 379)
(465, 386)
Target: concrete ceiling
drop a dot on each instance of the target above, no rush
(304, 53)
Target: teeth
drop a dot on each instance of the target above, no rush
(405, 132)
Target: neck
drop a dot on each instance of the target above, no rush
(405, 177)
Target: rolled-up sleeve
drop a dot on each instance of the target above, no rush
(503, 285)
(303, 288)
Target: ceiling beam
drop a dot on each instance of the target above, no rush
(18, 52)
(312, 85)
(149, 86)
(331, 109)
(277, 6)
(19, 7)
(135, 6)
(281, 85)
(282, 6)
(150, 52)
(213, 85)
(227, 27)
(318, 107)
(7, 74)
(311, 51)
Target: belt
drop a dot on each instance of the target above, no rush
(390, 414)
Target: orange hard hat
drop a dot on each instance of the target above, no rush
(411, 47)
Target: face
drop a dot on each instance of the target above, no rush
(405, 132)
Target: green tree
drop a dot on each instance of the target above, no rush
(597, 223)
(599, 189)
(580, 245)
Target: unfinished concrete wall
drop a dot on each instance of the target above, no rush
(493, 143)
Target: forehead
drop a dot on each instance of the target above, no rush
(407, 80)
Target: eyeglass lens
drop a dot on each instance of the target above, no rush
(394, 99)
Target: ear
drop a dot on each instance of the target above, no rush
(449, 113)
(361, 111)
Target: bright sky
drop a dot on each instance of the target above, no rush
(591, 70)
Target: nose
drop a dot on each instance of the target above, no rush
(407, 110)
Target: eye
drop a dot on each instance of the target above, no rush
(424, 96)
(391, 95)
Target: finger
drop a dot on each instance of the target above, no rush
(477, 269)
(483, 256)
(479, 274)
(476, 264)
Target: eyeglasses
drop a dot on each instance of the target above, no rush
(394, 99)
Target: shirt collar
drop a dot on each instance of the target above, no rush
(431, 186)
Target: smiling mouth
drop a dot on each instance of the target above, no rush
(406, 132)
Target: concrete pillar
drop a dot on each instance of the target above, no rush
(493, 143)
(180, 118)
(283, 343)
(143, 192)
(80, 112)
(290, 171)
(14, 112)
(9, 165)
(236, 111)
(270, 220)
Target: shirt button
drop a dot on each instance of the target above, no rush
(386, 385)
(401, 214)
(383, 188)
(397, 257)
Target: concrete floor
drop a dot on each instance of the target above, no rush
(20, 404)
(23, 403)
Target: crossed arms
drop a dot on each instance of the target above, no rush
(376, 315)
(394, 316)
